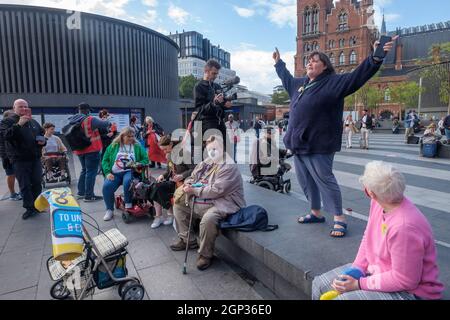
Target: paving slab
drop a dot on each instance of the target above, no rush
(166, 282)
(149, 252)
(25, 294)
(19, 270)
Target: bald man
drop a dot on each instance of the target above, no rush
(24, 139)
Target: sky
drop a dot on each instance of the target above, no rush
(248, 29)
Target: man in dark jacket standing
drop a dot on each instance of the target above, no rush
(209, 102)
(315, 128)
(24, 139)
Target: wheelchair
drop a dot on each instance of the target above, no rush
(55, 175)
(140, 187)
(275, 182)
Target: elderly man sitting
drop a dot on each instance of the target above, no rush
(221, 193)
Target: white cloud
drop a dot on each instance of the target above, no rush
(150, 3)
(256, 68)
(112, 8)
(244, 12)
(280, 12)
(177, 14)
(284, 13)
(151, 17)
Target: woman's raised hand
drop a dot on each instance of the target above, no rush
(276, 55)
(388, 46)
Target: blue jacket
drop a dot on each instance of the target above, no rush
(315, 118)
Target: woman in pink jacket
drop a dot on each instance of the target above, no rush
(397, 255)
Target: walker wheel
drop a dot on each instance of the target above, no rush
(126, 217)
(59, 291)
(132, 290)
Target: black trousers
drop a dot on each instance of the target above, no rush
(29, 176)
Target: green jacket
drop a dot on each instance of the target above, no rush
(111, 153)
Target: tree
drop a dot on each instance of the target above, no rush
(370, 96)
(437, 70)
(187, 85)
(351, 100)
(280, 97)
(406, 93)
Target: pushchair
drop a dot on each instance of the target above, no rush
(140, 188)
(274, 182)
(55, 175)
(102, 265)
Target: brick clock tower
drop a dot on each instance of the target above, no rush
(345, 31)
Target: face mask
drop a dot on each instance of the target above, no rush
(213, 154)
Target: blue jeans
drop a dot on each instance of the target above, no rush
(447, 134)
(109, 187)
(89, 170)
(315, 176)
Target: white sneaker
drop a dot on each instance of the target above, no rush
(109, 215)
(156, 223)
(168, 221)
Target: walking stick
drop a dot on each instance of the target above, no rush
(189, 234)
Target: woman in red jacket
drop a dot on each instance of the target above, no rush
(155, 154)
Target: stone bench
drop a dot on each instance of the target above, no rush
(287, 260)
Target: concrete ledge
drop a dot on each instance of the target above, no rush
(287, 260)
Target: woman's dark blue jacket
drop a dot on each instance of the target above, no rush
(315, 118)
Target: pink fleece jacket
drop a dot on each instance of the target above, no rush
(398, 253)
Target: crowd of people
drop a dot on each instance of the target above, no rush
(397, 255)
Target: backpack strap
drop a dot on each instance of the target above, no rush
(270, 227)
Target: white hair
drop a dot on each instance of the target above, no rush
(149, 119)
(385, 181)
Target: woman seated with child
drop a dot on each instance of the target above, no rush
(122, 152)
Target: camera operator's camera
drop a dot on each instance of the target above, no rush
(231, 97)
(226, 87)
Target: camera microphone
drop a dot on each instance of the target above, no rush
(231, 82)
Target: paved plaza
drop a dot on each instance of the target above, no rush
(26, 245)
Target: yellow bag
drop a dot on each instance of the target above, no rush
(179, 196)
(66, 222)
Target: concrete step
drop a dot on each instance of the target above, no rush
(287, 260)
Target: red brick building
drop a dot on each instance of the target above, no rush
(345, 31)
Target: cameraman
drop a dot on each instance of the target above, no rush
(24, 139)
(209, 101)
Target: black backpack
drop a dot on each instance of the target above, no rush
(76, 136)
(252, 218)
